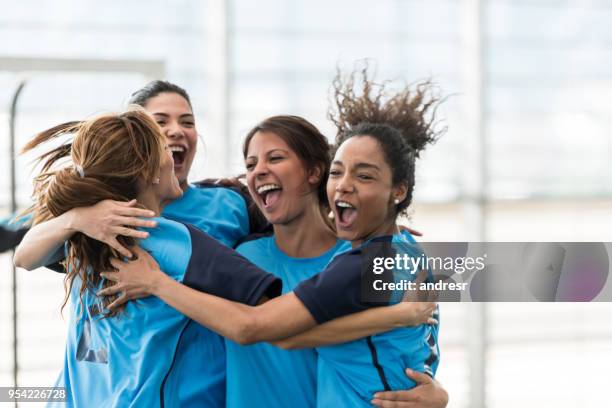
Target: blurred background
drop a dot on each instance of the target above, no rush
(526, 157)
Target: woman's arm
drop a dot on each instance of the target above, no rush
(362, 324)
(276, 319)
(103, 221)
(43, 242)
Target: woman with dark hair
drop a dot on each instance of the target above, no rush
(129, 356)
(371, 183)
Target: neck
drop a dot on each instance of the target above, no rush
(306, 236)
(152, 202)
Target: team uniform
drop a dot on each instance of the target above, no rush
(349, 374)
(131, 360)
(221, 212)
(262, 375)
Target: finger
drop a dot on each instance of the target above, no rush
(117, 264)
(130, 203)
(414, 232)
(144, 255)
(111, 290)
(129, 232)
(422, 276)
(393, 404)
(418, 377)
(113, 243)
(136, 222)
(135, 212)
(111, 276)
(118, 302)
(432, 322)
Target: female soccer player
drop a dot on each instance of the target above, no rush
(129, 358)
(216, 210)
(287, 162)
(371, 183)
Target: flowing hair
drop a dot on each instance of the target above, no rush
(108, 157)
(403, 122)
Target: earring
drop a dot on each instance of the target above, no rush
(156, 180)
(396, 201)
(330, 215)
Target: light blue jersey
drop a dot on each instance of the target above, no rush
(262, 375)
(349, 374)
(134, 359)
(220, 212)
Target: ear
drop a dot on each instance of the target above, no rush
(314, 175)
(399, 192)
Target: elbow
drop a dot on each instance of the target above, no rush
(20, 262)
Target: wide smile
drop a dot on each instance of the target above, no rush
(346, 214)
(179, 154)
(269, 194)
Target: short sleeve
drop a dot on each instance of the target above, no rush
(9, 239)
(335, 292)
(221, 271)
(344, 287)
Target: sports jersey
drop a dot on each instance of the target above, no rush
(349, 374)
(219, 211)
(262, 375)
(130, 360)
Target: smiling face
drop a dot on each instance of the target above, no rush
(168, 187)
(360, 191)
(277, 179)
(174, 115)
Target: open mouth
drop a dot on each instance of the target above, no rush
(269, 193)
(347, 213)
(178, 154)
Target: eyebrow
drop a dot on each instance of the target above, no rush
(361, 165)
(165, 115)
(270, 152)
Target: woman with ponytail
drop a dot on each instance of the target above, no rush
(132, 355)
(370, 184)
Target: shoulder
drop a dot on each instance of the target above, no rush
(168, 234)
(253, 242)
(210, 188)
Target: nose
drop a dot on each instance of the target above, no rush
(344, 185)
(260, 170)
(174, 130)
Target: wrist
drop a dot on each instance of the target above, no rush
(158, 282)
(71, 219)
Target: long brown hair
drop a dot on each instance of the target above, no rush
(110, 155)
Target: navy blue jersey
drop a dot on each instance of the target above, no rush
(132, 360)
(350, 373)
(262, 375)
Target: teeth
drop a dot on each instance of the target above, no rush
(180, 149)
(344, 204)
(267, 187)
